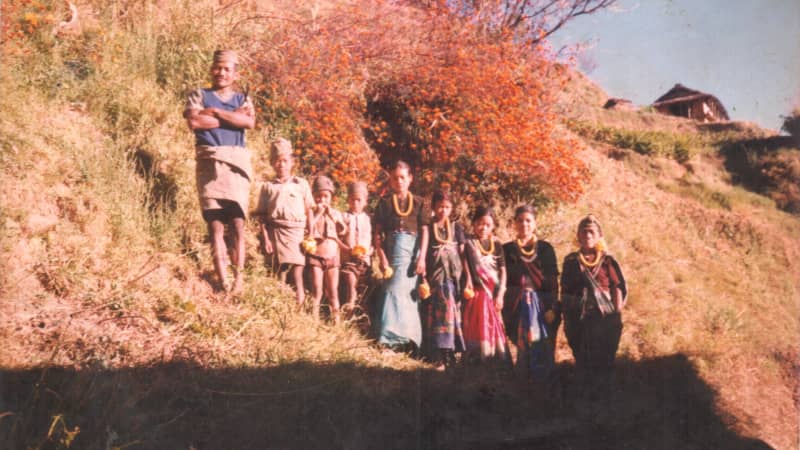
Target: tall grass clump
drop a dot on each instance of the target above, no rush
(58, 162)
(768, 166)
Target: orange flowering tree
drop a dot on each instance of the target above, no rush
(478, 117)
(314, 87)
(358, 86)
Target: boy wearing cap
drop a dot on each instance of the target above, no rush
(357, 241)
(326, 226)
(284, 205)
(218, 117)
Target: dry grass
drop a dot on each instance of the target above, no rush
(105, 285)
(87, 282)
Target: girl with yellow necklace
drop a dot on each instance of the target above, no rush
(441, 313)
(485, 270)
(531, 310)
(401, 243)
(593, 295)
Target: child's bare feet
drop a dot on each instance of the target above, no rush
(315, 313)
(348, 309)
(223, 285)
(238, 285)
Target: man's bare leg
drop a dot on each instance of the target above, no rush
(216, 231)
(238, 255)
(283, 273)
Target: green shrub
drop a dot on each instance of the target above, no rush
(679, 147)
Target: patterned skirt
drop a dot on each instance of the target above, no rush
(483, 326)
(533, 335)
(442, 320)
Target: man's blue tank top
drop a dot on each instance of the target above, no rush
(223, 135)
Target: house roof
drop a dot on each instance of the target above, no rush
(680, 94)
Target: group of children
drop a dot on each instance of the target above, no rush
(442, 290)
(300, 227)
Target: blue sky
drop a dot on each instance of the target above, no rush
(745, 52)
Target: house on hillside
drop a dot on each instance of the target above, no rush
(684, 102)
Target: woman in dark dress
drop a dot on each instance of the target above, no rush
(531, 311)
(593, 293)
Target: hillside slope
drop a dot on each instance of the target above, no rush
(112, 336)
(88, 291)
(715, 265)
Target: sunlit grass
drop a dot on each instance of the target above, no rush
(100, 270)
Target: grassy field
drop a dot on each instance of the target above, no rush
(112, 336)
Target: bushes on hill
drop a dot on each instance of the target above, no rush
(769, 166)
(656, 143)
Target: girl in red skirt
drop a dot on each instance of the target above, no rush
(484, 334)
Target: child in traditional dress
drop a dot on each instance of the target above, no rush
(218, 117)
(284, 207)
(326, 225)
(531, 312)
(401, 241)
(593, 295)
(357, 242)
(441, 314)
(484, 333)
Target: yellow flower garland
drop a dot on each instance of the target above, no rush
(447, 228)
(491, 246)
(522, 247)
(590, 265)
(601, 248)
(397, 207)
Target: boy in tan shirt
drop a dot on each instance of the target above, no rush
(284, 205)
